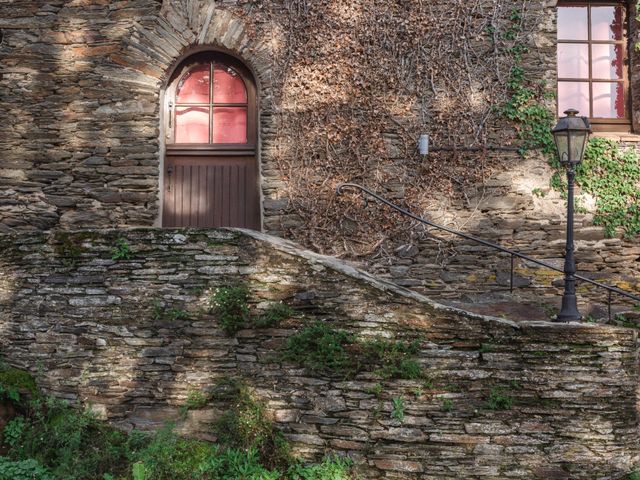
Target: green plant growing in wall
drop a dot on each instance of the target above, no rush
(273, 315)
(447, 405)
(68, 248)
(394, 358)
(121, 250)
(161, 312)
(246, 425)
(196, 400)
(230, 305)
(13, 380)
(321, 348)
(499, 400)
(398, 408)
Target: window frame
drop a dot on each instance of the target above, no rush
(602, 124)
(235, 149)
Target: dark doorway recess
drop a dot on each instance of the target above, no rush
(211, 169)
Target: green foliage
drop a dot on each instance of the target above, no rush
(634, 475)
(121, 250)
(67, 248)
(394, 358)
(161, 312)
(139, 471)
(237, 464)
(332, 468)
(376, 389)
(170, 457)
(612, 176)
(322, 349)
(608, 173)
(538, 192)
(447, 405)
(526, 104)
(54, 441)
(397, 408)
(195, 401)
(498, 400)
(245, 425)
(274, 314)
(28, 469)
(12, 380)
(74, 445)
(230, 306)
(14, 430)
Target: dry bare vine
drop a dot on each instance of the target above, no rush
(358, 81)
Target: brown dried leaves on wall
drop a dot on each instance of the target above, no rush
(357, 82)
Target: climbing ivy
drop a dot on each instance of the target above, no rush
(608, 173)
(612, 176)
(526, 103)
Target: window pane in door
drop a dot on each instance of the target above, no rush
(608, 100)
(606, 23)
(229, 125)
(573, 95)
(194, 86)
(228, 87)
(607, 61)
(192, 125)
(573, 23)
(573, 60)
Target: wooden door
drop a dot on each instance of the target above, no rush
(210, 167)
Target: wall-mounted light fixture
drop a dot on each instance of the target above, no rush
(423, 144)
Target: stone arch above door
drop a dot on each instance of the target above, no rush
(211, 144)
(152, 49)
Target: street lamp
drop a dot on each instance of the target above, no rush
(570, 135)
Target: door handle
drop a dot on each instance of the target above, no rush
(169, 173)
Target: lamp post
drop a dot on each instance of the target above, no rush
(570, 135)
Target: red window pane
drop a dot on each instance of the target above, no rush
(607, 61)
(573, 60)
(194, 86)
(608, 100)
(573, 95)
(229, 125)
(606, 23)
(573, 23)
(192, 125)
(228, 87)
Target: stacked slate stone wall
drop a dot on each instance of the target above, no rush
(88, 327)
(81, 85)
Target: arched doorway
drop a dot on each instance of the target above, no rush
(210, 167)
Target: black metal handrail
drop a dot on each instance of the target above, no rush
(512, 253)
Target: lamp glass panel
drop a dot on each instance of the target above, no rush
(562, 144)
(577, 142)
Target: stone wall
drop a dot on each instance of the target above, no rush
(87, 327)
(81, 82)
